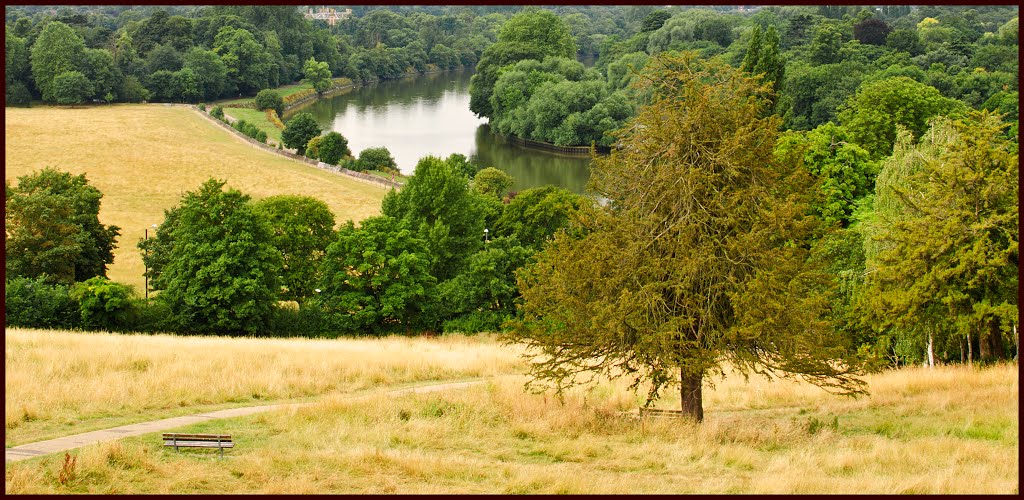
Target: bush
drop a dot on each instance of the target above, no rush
(103, 304)
(273, 118)
(376, 159)
(475, 322)
(313, 147)
(34, 303)
(217, 112)
(332, 148)
(269, 99)
(250, 130)
(202, 107)
(17, 95)
(309, 320)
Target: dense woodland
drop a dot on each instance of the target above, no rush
(881, 201)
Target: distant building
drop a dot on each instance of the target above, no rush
(332, 15)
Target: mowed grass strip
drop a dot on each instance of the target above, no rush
(959, 434)
(59, 383)
(257, 118)
(144, 157)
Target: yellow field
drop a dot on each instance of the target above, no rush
(143, 157)
(945, 430)
(56, 381)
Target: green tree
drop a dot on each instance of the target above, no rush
(333, 147)
(873, 114)
(16, 70)
(270, 99)
(763, 58)
(827, 41)
(99, 68)
(844, 169)
(103, 304)
(376, 159)
(654, 20)
(58, 50)
(530, 34)
(534, 215)
(376, 277)
(492, 182)
(222, 272)
(298, 131)
(872, 31)
(249, 66)
(439, 205)
(484, 296)
(318, 74)
(301, 229)
(944, 243)
(210, 72)
(692, 263)
(53, 228)
(71, 87)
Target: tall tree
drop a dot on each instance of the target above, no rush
(318, 74)
(222, 272)
(53, 228)
(298, 131)
(57, 50)
(944, 253)
(301, 229)
(695, 261)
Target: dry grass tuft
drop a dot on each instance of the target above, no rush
(143, 157)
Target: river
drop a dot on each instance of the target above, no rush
(429, 115)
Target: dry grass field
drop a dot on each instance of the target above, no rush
(946, 430)
(58, 383)
(143, 157)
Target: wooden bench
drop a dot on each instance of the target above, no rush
(199, 441)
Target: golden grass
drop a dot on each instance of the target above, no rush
(144, 157)
(947, 430)
(60, 383)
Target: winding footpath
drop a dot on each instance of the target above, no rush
(31, 450)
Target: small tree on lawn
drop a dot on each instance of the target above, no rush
(298, 131)
(333, 147)
(270, 99)
(698, 260)
(376, 159)
(318, 74)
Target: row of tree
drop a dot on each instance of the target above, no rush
(222, 263)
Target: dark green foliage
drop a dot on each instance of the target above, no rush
(56, 51)
(872, 115)
(763, 58)
(655, 20)
(301, 228)
(36, 303)
(442, 210)
(210, 72)
(945, 237)
(376, 278)
(376, 159)
(270, 99)
(217, 112)
(906, 40)
(156, 248)
(53, 228)
(534, 215)
(492, 182)
(528, 35)
(872, 31)
(844, 170)
(250, 66)
(222, 272)
(71, 87)
(104, 304)
(103, 74)
(483, 296)
(250, 130)
(298, 131)
(333, 147)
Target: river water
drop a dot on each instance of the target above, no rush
(429, 115)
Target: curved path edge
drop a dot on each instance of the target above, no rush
(40, 448)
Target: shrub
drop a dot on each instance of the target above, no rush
(103, 304)
(34, 303)
(250, 130)
(269, 99)
(476, 322)
(309, 320)
(313, 147)
(333, 147)
(298, 96)
(273, 118)
(18, 95)
(217, 112)
(202, 107)
(298, 131)
(376, 159)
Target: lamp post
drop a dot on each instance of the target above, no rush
(486, 240)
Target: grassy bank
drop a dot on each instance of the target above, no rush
(143, 157)
(947, 430)
(58, 382)
(258, 118)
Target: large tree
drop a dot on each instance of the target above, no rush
(222, 272)
(301, 228)
(57, 50)
(697, 261)
(531, 34)
(318, 74)
(53, 228)
(943, 252)
(298, 131)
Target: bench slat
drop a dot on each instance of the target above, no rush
(200, 444)
(198, 436)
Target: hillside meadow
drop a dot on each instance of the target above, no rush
(952, 429)
(144, 157)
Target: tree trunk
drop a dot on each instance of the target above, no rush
(970, 350)
(931, 350)
(996, 349)
(1016, 344)
(692, 399)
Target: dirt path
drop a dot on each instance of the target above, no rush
(30, 450)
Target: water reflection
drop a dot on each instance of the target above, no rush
(415, 117)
